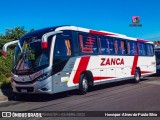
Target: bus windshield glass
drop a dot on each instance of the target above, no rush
(31, 57)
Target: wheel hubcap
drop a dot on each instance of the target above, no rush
(137, 76)
(85, 84)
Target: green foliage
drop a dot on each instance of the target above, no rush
(6, 62)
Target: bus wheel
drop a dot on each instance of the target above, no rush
(137, 76)
(83, 84)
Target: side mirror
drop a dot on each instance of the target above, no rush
(4, 51)
(44, 43)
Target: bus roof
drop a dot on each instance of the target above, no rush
(98, 32)
(41, 31)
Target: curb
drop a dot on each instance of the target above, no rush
(3, 98)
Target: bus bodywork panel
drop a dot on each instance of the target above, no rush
(68, 78)
(104, 68)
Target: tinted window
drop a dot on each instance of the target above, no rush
(88, 43)
(150, 49)
(117, 47)
(122, 47)
(141, 49)
(131, 48)
(106, 45)
(62, 47)
(33, 57)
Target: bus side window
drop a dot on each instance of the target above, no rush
(104, 45)
(115, 46)
(111, 46)
(68, 46)
(150, 50)
(133, 48)
(62, 47)
(128, 48)
(123, 47)
(57, 47)
(88, 44)
(118, 46)
(142, 49)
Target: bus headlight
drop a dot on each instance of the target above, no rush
(44, 76)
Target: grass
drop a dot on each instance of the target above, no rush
(6, 84)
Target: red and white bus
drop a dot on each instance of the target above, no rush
(62, 58)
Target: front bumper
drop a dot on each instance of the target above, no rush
(42, 87)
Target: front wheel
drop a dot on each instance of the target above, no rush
(83, 84)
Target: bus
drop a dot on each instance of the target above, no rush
(157, 54)
(62, 58)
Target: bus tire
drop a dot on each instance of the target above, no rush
(83, 84)
(137, 76)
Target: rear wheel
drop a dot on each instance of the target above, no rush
(83, 84)
(137, 76)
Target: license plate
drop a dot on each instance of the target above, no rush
(23, 90)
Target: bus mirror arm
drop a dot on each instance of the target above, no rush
(5, 46)
(45, 37)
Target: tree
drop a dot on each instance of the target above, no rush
(15, 33)
(12, 34)
(6, 62)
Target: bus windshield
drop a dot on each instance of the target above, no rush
(31, 57)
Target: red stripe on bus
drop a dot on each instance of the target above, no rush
(100, 33)
(81, 67)
(134, 65)
(140, 40)
(100, 78)
(144, 72)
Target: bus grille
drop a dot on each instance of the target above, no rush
(24, 83)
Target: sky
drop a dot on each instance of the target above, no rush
(108, 15)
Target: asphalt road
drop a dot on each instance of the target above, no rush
(120, 96)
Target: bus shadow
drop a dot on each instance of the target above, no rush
(114, 84)
(42, 97)
(6, 92)
(155, 75)
(48, 97)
